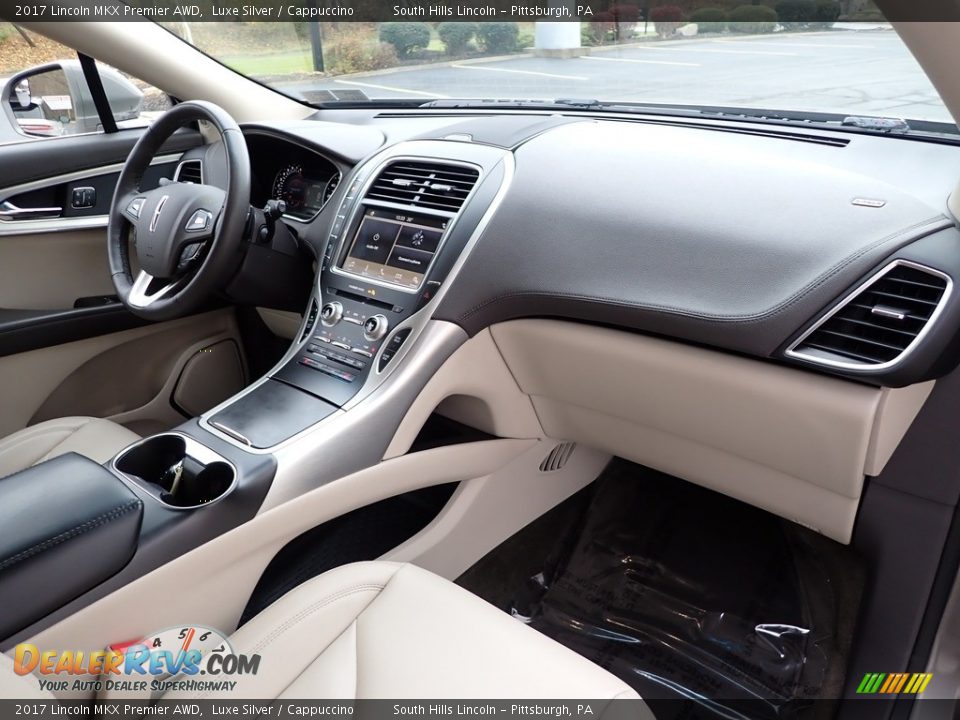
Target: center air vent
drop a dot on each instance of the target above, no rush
(189, 171)
(424, 184)
(877, 324)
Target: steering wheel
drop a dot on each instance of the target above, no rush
(188, 237)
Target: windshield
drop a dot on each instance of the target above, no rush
(705, 59)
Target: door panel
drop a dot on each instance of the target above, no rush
(51, 271)
(113, 375)
(65, 348)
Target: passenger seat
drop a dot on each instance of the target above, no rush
(389, 630)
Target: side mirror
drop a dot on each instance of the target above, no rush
(40, 101)
(54, 99)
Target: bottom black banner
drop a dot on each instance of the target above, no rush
(387, 709)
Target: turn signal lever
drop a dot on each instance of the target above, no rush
(266, 230)
(272, 211)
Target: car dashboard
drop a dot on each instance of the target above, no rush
(742, 238)
(657, 289)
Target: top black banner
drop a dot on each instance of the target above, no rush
(427, 10)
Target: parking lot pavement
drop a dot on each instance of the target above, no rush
(858, 72)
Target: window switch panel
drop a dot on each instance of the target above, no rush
(83, 198)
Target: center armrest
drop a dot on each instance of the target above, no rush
(68, 525)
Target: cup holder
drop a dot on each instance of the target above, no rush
(177, 470)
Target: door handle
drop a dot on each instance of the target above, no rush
(9, 211)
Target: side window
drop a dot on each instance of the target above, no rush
(45, 92)
(133, 102)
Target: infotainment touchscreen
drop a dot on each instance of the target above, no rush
(395, 248)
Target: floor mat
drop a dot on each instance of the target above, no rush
(684, 594)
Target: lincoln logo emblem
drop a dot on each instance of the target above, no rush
(156, 213)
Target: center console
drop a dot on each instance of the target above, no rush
(392, 245)
(404, 221)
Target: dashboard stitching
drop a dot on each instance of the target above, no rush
(938, 222)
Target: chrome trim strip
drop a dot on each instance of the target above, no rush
(410, 208)
(52, 225)
(417, 323)
(866, 368)
(10, 212)
(232, 433)
(362, 200)
(32, 227)
(193, 448)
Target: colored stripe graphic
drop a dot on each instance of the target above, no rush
(894, 683)
(903, 681)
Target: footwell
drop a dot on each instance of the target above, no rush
(684, 594)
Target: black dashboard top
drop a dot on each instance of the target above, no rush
(726, 240)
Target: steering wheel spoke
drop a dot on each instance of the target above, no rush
(141, 296)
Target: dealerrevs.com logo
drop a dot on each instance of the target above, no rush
(190, 658)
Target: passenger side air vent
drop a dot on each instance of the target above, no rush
(424, 184)
(557, 457)
(881, 321)
(189, 171)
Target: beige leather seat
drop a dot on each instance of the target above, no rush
(388, 630)
(94, 438)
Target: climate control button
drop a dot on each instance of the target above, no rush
(331, 313)
(375, 327)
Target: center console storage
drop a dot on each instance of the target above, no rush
(68, 525)
(177, 470)
(270, 413)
